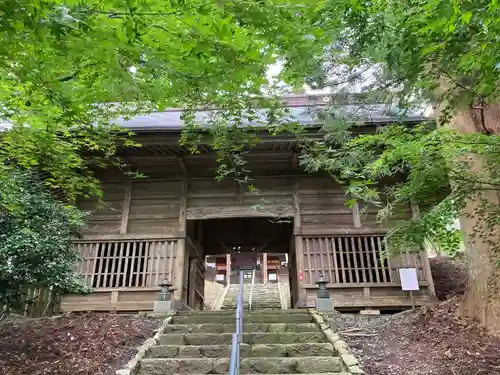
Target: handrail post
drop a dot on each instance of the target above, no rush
(239, 318)
(237, 337)
(251, 290)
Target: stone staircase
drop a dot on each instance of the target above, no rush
(213, 294)
(264, 296)
(277, 342)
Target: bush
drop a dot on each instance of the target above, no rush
(35, 240)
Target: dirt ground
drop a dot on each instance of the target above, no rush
(450, 277)
(428, 341)
(79, 345)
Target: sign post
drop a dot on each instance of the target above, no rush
(409, 282)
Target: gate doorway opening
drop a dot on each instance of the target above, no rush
(263, 247)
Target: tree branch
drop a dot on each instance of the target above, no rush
(479, 182)
(114, 14)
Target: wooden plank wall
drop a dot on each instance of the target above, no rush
(323, 209)
(322, 206)
(139, 207)
(107, 217)
(155, 207)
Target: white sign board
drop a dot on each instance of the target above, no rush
(409, 280)
(272, 277)
(220, 277)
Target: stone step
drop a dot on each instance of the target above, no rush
(259, 312)
(254, 307)
(249, 327)
(268, 365)
(248, 338)
(246, 350)
(250, 318)
(323, 373)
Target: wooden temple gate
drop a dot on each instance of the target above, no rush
(153, 229)
(125, 269)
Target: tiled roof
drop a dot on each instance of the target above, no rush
(301, 109)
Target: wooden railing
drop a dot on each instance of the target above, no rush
(126, 262)
(35, 303)
(355, 260)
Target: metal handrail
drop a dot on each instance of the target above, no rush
(251, 290)
(234, 364)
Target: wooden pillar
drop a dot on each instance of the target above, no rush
(296, 210)
(228, 269)
(181, 244)
(415, 213)
(126, 207)
(183, 208)
(299, 262)
(299, 250)
(192, 282)
(264, 268)
(356, 217)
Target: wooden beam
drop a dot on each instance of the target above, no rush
(196, 246)
(415, 213)
(264, 268)
(126, 207)
(215, 212)
(261, 247)
(299, 261)
(332, 231)
(192, 282)
(240, 192)
(127, 237)
(356, 216)
(415, 210)
(295, 160)
(183, 207)
(181, 244)
(297, 225)
(179, 269)
(227, 249)
(274, 175)
(228, 269)
(183, 165)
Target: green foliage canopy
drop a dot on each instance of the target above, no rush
(65, 64)
(445, 51)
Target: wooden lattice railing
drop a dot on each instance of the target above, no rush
(355, 260)
(126, 263)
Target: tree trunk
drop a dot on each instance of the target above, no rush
(482, 299)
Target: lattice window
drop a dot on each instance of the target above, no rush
(361, 260)
(120, 265)
(347, 259)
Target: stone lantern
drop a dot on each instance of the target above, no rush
(165, 286)
(163, 304)
(323, 300)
